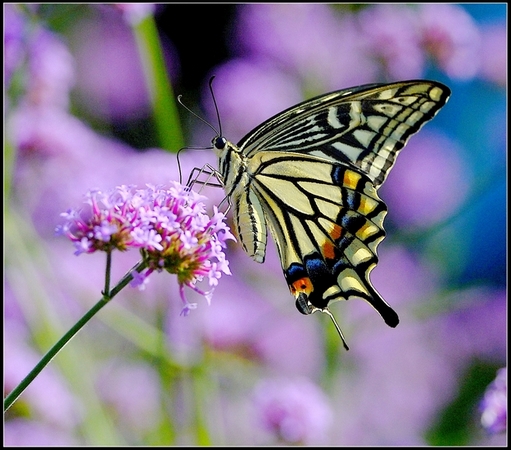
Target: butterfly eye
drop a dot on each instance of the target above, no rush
(219, 142)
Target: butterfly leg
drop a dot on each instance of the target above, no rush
(212, 178)
(211, 174)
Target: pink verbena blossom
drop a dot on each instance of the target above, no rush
(169, 226)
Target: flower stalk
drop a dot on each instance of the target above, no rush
(45, 360)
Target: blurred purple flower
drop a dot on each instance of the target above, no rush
(235, 323)
(136, 12)
(402, 278)
(494, 53)
(169, 225)
(50, 66)
(14, 36)
(391, 38)
(29, 433)
(51, 71)
(255, 317)
(110, 77)
(410, 373)
(476, 328)
(310, 40)
(494, 404)
(428, 182)
(399, 377)
(110, 81)
(133, 390)
(451, 37)
(294, 411)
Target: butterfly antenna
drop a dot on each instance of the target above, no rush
(327, 311)
(179, 99)
(216, 106)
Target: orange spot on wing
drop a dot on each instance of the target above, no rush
(336, 232)
(302, 285)
(328, 250)
(328, 247)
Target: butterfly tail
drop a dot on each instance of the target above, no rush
(315, 285)
(384, 309)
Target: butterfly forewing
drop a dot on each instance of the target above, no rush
(365, 126)
(311, 173)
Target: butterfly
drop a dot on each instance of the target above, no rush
(310, 175)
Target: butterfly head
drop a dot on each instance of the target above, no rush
(219, 143)
(223, 147)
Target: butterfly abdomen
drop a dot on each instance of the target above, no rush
(249, 220)
(250, 224)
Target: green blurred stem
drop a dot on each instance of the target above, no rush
(108, 271)
(165, 112)
(18, 390)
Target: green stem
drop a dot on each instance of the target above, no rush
(18, 390)
(108, 271)
(165, 112)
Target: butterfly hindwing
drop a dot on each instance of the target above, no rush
(327, 221)
(311, 174)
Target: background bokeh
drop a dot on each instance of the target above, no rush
(249, 369)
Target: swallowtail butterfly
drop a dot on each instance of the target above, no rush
(310, 175)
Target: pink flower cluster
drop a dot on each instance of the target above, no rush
(168, 225)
